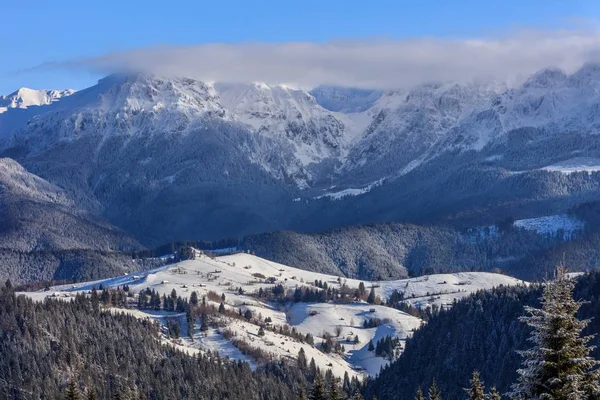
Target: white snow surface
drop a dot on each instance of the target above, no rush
(305, 139)
(577, 164)
(282, 112)
(351, 191)
(552, 224)
(26, 97)
(224, 275)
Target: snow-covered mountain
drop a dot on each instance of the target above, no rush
(278, 157)
(285, 113)
(26, 97)
(405, 124)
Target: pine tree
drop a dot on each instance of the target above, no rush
(371, 347)
(434, 392)
(95, 300)
(334, 390)
(357, 396)
(494, 394)
(302, 363)
(302, 394)
(476, 392)
(73, 391)
(558, 366)
(371, 298)
(194, 298)
(318, 390)
(190, 324)
(419, 395)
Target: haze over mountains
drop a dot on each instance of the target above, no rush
(165, 159)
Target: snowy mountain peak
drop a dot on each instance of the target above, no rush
(125, 104)
(146, 92)
(26, 97)
(16, 180)
(281, 112)
(546, 78)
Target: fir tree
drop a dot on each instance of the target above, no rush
(194, 298)
(73, 391)
(302, 363)
(95, 300)
(371, 298)
(434, 392)
(494, 394)
(190, 324)
(357, 396)
(476, 392)
(419, 395)
(318, 390)
(334, 390)
(558, 366)
(302, 394)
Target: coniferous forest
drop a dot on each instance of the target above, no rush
(482, 333)
(47, 348)
(503, 343)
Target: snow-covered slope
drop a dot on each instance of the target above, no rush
(186, 148)
(577, 164)
(282, 112)
(122, 105)
(405, 124)
(565, 225)
(549, 100)
(16, 181)
(226, 275)
(26, 97)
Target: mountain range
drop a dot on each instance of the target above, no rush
(146, 159)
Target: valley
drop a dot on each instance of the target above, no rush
(257, 294)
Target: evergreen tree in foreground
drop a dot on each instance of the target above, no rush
(476, 392)
(558, 366)
(419, 395)
(334, 390)
(318, 391)
(434, 392)
(91, 395)
(357, 396)
(302, 394)
(494, 394)
(73, 391)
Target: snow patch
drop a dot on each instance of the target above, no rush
(552, 225)
(351, 192)
(578, 164)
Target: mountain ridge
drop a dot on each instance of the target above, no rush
(176, 148)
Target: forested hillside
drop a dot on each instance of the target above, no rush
(44, 346)
(480, 333)
(398, 250)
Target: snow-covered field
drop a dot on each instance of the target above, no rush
(351, 191)
(577, 164)
(552, 224)
(227, 274)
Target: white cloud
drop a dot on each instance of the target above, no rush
(368, 63)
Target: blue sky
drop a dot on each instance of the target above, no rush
(40, 31)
